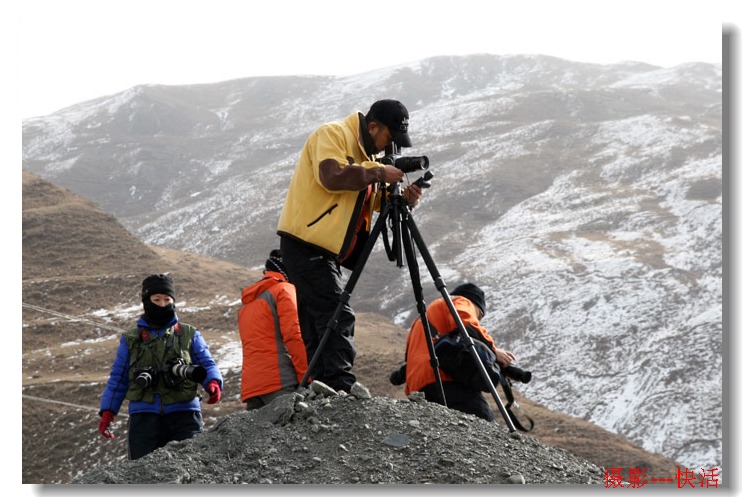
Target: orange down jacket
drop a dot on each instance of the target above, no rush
(273, 353)
(419, 371)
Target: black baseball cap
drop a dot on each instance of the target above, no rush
(393, 115)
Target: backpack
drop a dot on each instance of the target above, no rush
(456, 361)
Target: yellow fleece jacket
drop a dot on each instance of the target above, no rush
(326, 195)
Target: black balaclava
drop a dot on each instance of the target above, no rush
(154, 314)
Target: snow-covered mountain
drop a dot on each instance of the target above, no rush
(586, 199)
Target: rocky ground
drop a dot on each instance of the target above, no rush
(319, 436)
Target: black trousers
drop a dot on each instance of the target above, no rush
(461, 398)
(148, 431)
(318, 281)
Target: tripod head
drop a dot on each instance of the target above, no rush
(399, 209)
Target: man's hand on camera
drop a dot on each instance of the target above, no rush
(392, 174)
(504, 357)
(412, 194)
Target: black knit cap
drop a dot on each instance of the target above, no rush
(275, 263)
(157, 283)
(473, 293)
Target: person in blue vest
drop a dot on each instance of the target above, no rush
(158, 367)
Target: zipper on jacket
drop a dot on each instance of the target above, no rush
(327, 212)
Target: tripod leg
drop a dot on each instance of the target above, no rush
(347, 290)
(441, 286)
(421, 309)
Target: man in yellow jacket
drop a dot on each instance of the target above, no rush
(273, 356)
(326, 220)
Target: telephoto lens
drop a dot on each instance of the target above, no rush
(407, 164)
(517, 374)
(412, 164)
(189, 371)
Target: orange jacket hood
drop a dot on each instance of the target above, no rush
(252, 292)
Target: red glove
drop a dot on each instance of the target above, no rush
(214, 391)
(106, 418)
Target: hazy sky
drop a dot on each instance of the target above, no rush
(75, 50)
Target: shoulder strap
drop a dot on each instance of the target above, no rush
(145, 335)
(433, 331)
(184, 328)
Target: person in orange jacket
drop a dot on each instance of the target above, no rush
(274, 359)
(470, 304)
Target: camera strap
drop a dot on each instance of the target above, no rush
(146, 336)
(505, 384)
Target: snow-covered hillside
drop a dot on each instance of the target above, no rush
(586, 199)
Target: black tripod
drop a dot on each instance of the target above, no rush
(396, 212)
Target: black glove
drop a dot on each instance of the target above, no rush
(398, 377)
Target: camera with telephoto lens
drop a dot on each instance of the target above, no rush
(144, 377)
(193, 372)
(517, 374)
(407, 164)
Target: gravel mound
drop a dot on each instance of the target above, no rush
(319, 436)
